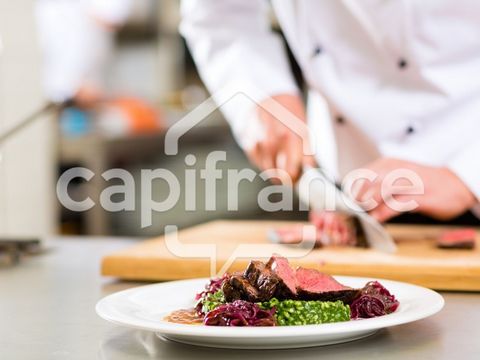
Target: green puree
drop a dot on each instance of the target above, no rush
(297, 312)
(292, 312)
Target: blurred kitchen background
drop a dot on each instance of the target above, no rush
(132, 77)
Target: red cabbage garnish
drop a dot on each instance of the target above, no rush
(374, 300)
(240, 313)
(212, 287)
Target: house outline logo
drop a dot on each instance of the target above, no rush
(224, 96)
(246, 250)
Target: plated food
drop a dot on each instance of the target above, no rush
(275, 294)
(146, 307)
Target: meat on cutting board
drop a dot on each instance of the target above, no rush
(332, 228)
(457, 239)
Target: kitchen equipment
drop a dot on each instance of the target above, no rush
(13, 247)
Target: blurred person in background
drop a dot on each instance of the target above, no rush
(394, 83)
(77, 39)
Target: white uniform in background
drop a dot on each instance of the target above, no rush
(27, 159)
(76, 42)
(399, 78)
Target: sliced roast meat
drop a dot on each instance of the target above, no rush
(314, 285)
(230, 292)
(287, 284)
(254, 270)
(238, 287)
(316, 281)
(261, 282)
(262, 278)
(268, 284)
(457, 239)
(332, 229)
(345, 296)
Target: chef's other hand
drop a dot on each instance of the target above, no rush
(281, 148)
(445, 195)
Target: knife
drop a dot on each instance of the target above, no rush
(321, 193)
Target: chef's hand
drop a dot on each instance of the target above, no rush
(445, 195)
(281, 148)
(88, 96)
(332, 228)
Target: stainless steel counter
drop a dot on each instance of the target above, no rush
(47, 312)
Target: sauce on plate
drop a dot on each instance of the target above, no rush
(184, 316)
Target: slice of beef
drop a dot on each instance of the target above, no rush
(333, 229)
(360, 235)
(237, 287)
(254, 270)
(346, 296)
(268, 284)
(230, 292)
(457, 239)
(316, 281)
(314, 285)
(261, 282)
(338, 229)
(263, 279)
(287, 284)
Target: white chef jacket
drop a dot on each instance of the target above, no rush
(75, 45)
(399, 78)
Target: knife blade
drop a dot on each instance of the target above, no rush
(321, 192)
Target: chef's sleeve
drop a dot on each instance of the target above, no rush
(466, 165)
(238, 55)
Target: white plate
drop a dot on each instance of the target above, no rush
(145, 307)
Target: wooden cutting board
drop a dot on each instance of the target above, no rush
(417, 260)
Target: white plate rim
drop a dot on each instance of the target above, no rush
(166, 328)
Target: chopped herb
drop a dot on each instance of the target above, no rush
(212, 301)
(297, 312)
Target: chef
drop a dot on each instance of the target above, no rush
(390, 84)
(77, 39)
